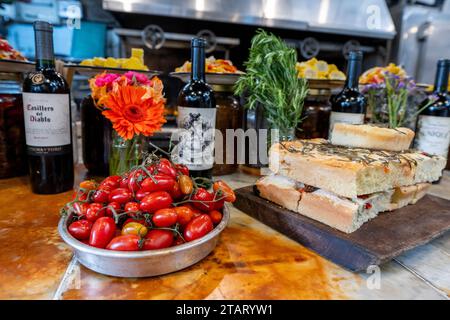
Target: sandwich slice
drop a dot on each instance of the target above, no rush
(371, 137)
(344, 214)
(352, 172)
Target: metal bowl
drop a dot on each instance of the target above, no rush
(143, 263)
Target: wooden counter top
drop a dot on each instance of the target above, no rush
(251, 261)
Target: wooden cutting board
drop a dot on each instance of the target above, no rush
(376, 242)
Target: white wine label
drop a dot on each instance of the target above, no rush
(195, 138)
(433, 135)
(47, 121)
(343, 117)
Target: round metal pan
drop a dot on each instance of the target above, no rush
(143, 263)
(16, 66)
(92, 71)
(211, 77)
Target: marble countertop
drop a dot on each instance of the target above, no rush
(251, 261)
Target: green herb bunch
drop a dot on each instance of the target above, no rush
(271, 80)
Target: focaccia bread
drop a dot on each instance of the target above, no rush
(341, 213)
(408, 195)
(350, 172)
(371, 137)
(281, 190)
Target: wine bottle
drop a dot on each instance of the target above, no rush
(433, 123)
(196, 118)
(349, 106)
(46, 104)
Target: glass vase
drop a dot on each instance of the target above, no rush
(286, 134)
(126, 154)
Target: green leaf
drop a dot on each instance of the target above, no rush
(271, 80)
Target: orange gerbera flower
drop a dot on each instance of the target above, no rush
(136, 110)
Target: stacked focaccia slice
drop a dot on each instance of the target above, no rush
(344, 187)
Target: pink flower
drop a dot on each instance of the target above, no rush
(106, 79)
(140, 78)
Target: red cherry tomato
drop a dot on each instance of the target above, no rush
(176, 192)
(164, 218)
(155, 201)
(124, 181)
(178, 241)
(198, 227)
(158, 239)
(120, 195)
(80, 229)
(152, 169)
(101, 195)
(164, 166)
(215, 216)
(181, 168)
(225, 190)
(95, 211)
(196, 211)
(140, 194)
(112, 182)
(159, 182)
(219, 203)
(131, 207)
(203, 200)
(129, 242)
(102, 232)
(134, 180)
(184, 214)
(115, 205)
(80, 208)
(82, 196)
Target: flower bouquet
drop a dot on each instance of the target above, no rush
(135, 106)
(393, 97)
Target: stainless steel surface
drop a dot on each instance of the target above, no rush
(143, 263)
(368, 18)
(423, 39)
(16, 66)
(211, 78)
(176, 36)
(91, 71)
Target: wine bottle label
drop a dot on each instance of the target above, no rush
(47, 123)
(343, 117)
(195, 138)
(433, 135)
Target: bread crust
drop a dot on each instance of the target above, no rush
(371, 137)
(346, 215)
(279, 190)
(350, 172)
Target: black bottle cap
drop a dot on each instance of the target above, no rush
(198, 42)
(443, 62)
(355, 55)
(42, 26)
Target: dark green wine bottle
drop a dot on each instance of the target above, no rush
(196, 118)
(46, 104)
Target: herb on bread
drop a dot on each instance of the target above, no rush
(359, 155)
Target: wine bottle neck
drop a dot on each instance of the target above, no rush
(441, 82)
(353, 72)
(198, 63)
(45, 58)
